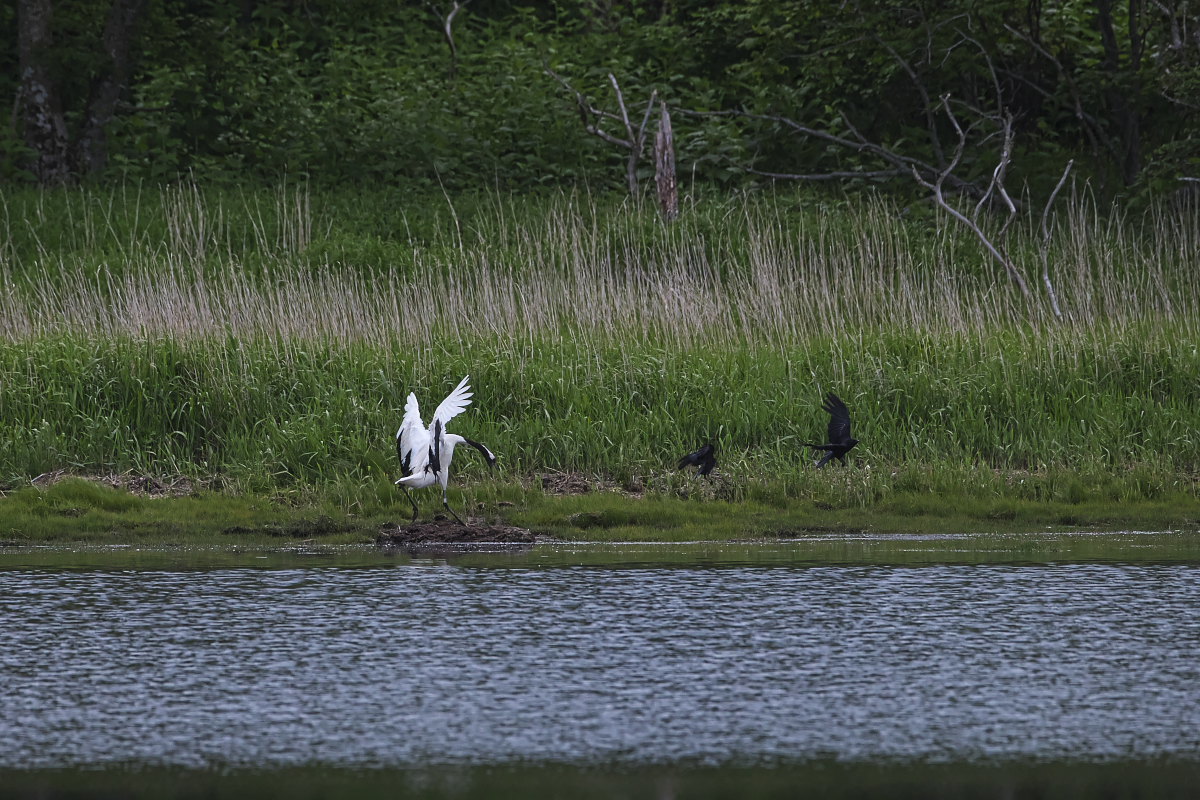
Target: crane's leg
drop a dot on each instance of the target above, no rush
(446, 505)
(408, 494)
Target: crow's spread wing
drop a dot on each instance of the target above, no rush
(702, 458)
(839, 419)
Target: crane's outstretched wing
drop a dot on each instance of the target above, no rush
(412, 440)
(839, 419)
(452, 406)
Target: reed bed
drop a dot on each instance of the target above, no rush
(264, 341)
(760, 273)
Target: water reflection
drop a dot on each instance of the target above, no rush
(434, 663)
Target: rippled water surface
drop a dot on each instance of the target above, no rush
(426, 662)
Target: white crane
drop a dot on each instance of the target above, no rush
(425, 454)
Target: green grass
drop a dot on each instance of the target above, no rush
(1113, 413)
(615, 518)
(81, 511)
(261, 344)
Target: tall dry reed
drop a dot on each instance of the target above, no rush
(759, 275)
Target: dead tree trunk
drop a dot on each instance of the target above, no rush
(664, 166)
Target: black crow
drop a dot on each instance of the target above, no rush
(840, 440)
(703, 458)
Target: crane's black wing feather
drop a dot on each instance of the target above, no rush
(435, 449)
(405, 458)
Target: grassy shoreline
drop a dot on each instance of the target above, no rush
(260, 345)
(83, 512)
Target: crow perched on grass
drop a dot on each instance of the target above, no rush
(703, 458)
(840, 440)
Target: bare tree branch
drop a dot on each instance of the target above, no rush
(827, 176)
(1179, 101)
(590, 116)
(621, 105)
(998, 174)
(926, 103)
(646, 116)
(939, 197)
(1053, 295)
(636, 138)
(902, 164)
(983, 127)
(587, 111)
(987, 57)
(1178, 36)
(448, 30)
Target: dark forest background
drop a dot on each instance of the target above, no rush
(501, 93)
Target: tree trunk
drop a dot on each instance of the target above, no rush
(92, 148)
(43, 125)
(1124, 94)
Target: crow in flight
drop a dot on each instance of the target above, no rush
(840, 440)
(703, 458)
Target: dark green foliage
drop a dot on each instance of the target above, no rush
(370, 91)
(364, 99)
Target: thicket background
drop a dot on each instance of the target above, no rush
(370, 90)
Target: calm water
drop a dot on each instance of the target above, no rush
(417, 662)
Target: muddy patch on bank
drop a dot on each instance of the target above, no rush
(132, 482)
(451, 532)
